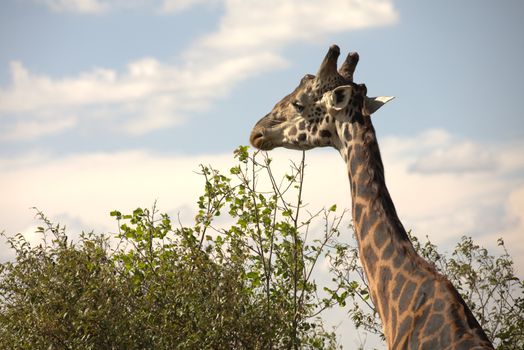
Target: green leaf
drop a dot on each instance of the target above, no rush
(116, 213)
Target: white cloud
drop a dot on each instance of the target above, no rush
(170, 6)
(454, 194)
(437, 151)
(95, 7)
(91, 185)
(26, 130)
(249, 25)
(514, 208)
(150, 94)
(459, 157)
(306, 16)
(76, 6)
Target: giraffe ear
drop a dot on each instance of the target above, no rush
(372, 104)
(338, 99)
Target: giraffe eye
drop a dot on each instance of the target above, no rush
(298, 106)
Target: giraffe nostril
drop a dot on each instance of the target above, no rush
(256, 139)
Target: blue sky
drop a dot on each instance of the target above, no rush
(100, 96)
(452, 65)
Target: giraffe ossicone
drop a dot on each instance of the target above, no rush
(419, 308)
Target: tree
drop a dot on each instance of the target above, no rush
(244, 285)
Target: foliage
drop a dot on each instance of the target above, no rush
(62, 296)
(244, 285)
(487, 283)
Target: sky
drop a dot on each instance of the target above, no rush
(113, 104)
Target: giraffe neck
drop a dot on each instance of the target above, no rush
(417, 305)
(383, 242)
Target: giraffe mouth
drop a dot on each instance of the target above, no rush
(258, 140)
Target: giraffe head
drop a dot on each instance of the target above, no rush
(312, 115)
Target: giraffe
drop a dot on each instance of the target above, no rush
(419, 308)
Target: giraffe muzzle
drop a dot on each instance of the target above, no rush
(258, 140)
